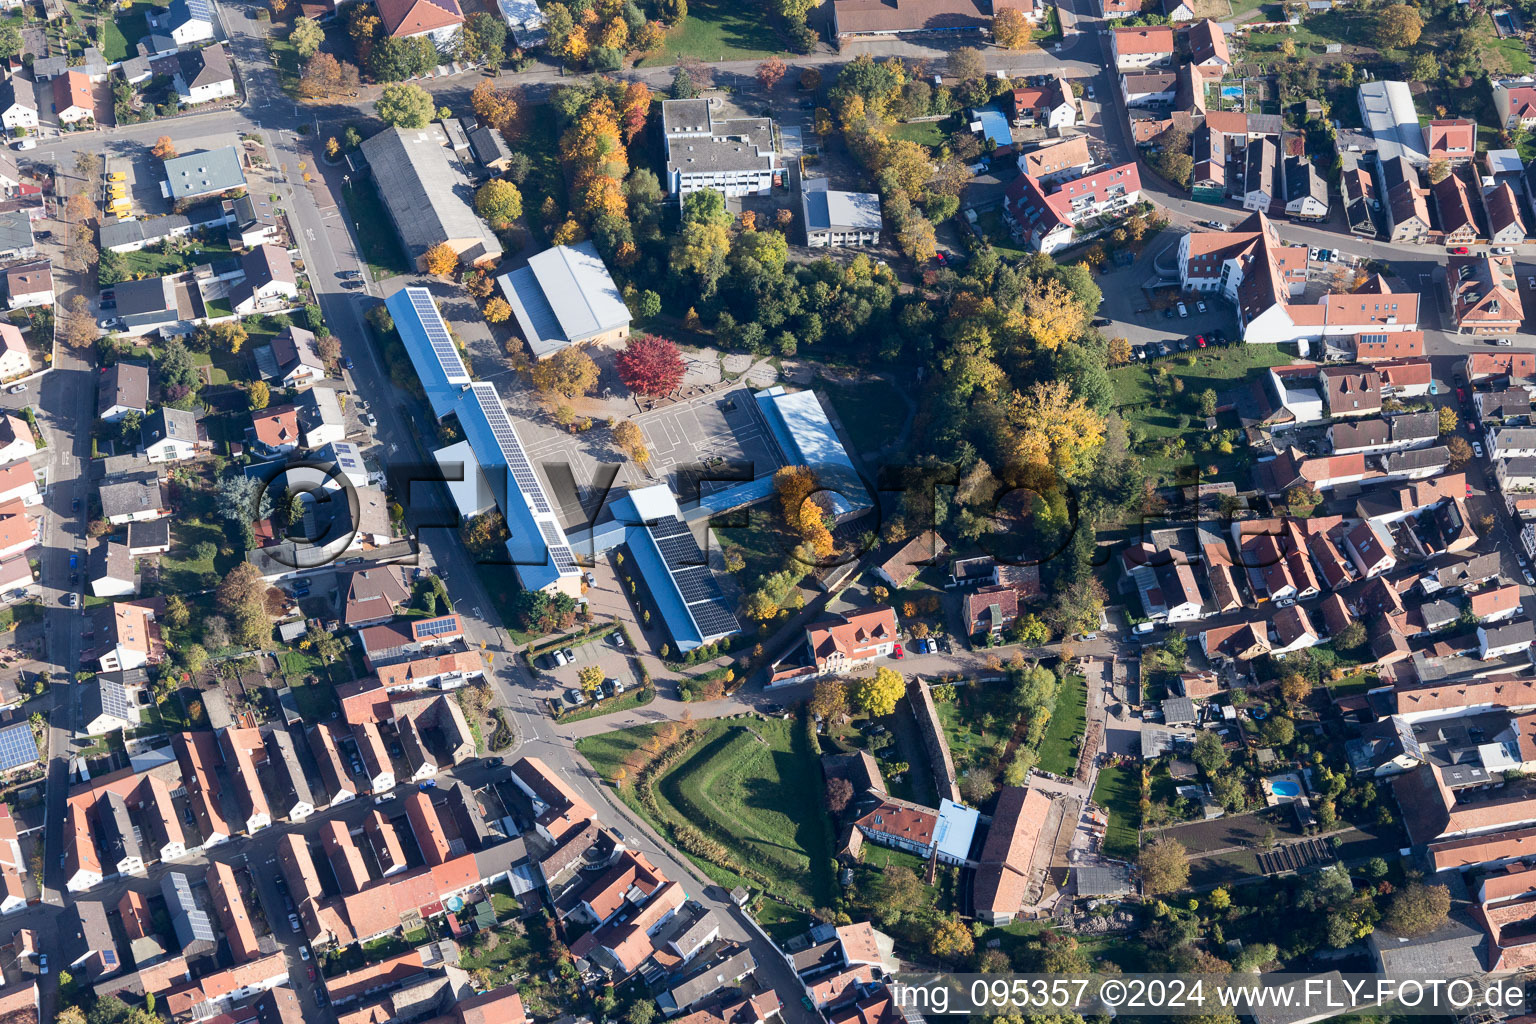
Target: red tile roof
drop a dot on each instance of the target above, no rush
(413, 17)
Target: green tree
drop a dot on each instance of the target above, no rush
(406, 106)
(306, 36)
(258, 395)
(1209, 754)
(10, 41)
(499, 203)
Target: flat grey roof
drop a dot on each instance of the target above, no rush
(826, 209)
(201, 174)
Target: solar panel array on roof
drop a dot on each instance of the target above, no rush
(114, 698)
(17, 746)
(437, 627)
(691, 575)
(511, 447)
(437, 333)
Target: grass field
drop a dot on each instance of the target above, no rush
(1118, 791)
(1157, 413)
(1068, 723)
(753, 789)
(924, 133)
(721, 30)
(872, 411)
(375, 232)
(184, 569)
(148, 263)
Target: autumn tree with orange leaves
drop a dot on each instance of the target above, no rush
(440, 259)
(594, 149)
(495, 107)
(634, 109)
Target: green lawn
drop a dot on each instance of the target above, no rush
(375, 232)
(129, 28)
(967, 740)
(151, 263)
(219, 308)
(185, 570)
(1058, 748)
(509, 958)
(872, 411)
(924, 133)
(286, 57)
(721, 30)
(752, 788)
(1118, 791)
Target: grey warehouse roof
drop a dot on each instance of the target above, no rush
(428, 194)
(564, 295)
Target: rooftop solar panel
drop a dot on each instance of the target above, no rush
(511, 447)
(437, 627)
(561, 555)
(114, 698)
(695, 581)
(437, 334)
(17, 746)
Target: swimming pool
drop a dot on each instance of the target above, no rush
(1284, 787)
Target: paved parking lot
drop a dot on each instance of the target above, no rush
(145, 173)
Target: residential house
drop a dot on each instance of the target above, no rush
(1362, 202)
(1517, 366)
(171, 435)
(1048, 219)
(269, 284)
(29, 284)
(72, 100)
(90, 949)
(111, 570)
(18, 530)
(1241, 641)
(203, 75)
(276, 430)
(1141, 47)
(1405, 206)
(1516, 104)
(1006, 870)
(1149, 88)
(133, 498)
(15, 361)
(1260, 187)
(1306, 190)
(16, 440)
(18, 482)
(1453, 139)
(438, 20)
(109, 702)
(1495, 604)
(1065, 159)
(131, 640)
(321, 421)
(1350, 391)
(990, 610)
(899, 824)
(18, 103)
(1377, 348)
(184, 22)
(1208, 46)
(1501, 640)
(1052, 105)
(844, 643)
(911, 558)
(1484, 294)
(1505, 226)
(1453, 201)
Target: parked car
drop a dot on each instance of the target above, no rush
(303, 952)
(25, 144)
(1183, 310)
(74, 561)
(1504, 250)
(570, 655)
(1457, 250)
(898, 653)
(616, 638)
(346, 362)
(1199, 341)
(1200, 306)
(17, 389)
(42, 963)
(1168, 313)
(1504, 343)
(575, 696)
(1530, 580)
(771, 708)
(1477, 449)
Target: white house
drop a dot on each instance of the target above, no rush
(269, 285)
(72, 100)
(204, 76)
(1142, 47)
(133, 638)
(321, 421)
(1369, 551)
(1511, 442)
(1509, 638)
(111, 570)
(19, 483)
(15, 438)
(1515, 474)
(14, 360)
(185, 21)
(29, 284)
(18, 104)
(170, 435)
(298, 363)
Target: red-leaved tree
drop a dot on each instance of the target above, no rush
(650, 366)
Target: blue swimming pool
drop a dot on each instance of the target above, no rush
(1284, 787)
